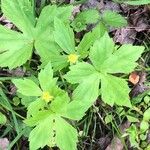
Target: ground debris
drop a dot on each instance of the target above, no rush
(4, 143)
(116, 143)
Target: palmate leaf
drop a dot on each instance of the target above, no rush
(106, 60)
(48, 115)
(50, 120)
(17, 47)
(56, 132)
(47, 83)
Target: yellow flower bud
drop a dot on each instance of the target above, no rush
(72, 58)
(47, 97)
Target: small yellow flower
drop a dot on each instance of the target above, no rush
(47, 97)
(72, 58)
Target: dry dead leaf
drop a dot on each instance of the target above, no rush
(116, 144)
(139, 20)
(4, 143)
(112, 6)
(91, 4)
(134, 78)
(125, 35)
(140, 87)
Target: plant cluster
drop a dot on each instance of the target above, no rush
(73, 73)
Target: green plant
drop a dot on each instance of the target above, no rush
(2, 119)
(101, 70)
(47, 112)
(70, 54)
(92, 16)
(138, 2)
(134, 2)
(55, 98)
(138, 131)
(144, 126)
(113, 19)
(17, 47)
(84, 18)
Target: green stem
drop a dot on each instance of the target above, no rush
(16, 139)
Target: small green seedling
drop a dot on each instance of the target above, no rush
(3, 119)
(92, 16)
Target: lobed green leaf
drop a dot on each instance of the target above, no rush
(66, 135)
(115, 90)
(113, 19)
(84, 96)
(101, 50)
(79, 72)
(42, 134)
(22, 16)
(123, 59)
(64, 36)
(27, 87)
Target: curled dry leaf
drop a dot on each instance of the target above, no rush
(139, 87)
(134, 78)
(125, 35)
